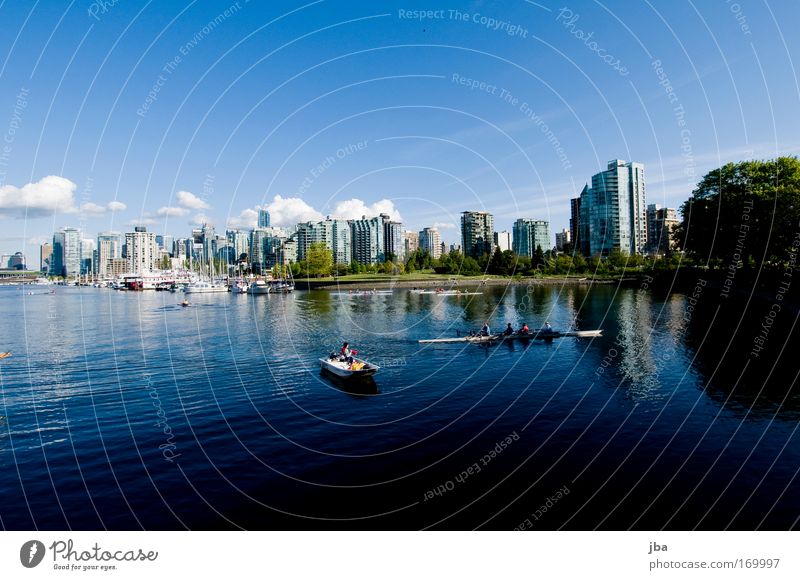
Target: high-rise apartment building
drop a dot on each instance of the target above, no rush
(368, 243)
(240, 242)
(393, 241)
(410, 242)
(263, 218)
(141, 250)
(341, 241)
(477, 233)
(575, 222)
(530, 234)
(562, 239)
(661, 222)
(109, 246)
(431, 241)
(502, 240)
(45, 256)
(66, 257)
(612, 210)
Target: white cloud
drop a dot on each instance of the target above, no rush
(143, 222)
(200, 219)
(189, 200)
(90, 208)
(48, 195)
(116, 206)
(172, 211)
(445, 225)
(353, 209)
(288, 211)
(247, 219)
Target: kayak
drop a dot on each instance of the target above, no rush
(527, 336)
(359, 368)
(5, 354)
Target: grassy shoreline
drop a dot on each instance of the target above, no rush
(383, 281)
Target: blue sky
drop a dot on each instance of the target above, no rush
(343, 108)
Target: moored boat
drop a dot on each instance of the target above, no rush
(205, 288)
(258, 287)
(240, 287)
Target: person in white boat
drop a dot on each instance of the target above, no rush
(485, 331)
(346, 355)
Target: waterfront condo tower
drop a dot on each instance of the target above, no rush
(530, 234)
(613, 212)
(141, 250)
(430, 241)
(368, 244)
(477, 233)
(393, 242)
(66, 258)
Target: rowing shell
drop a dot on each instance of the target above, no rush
(448, 293)
(529, 336)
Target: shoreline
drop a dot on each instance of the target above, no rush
(444, 283)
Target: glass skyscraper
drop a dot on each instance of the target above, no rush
(529, 234)
(612, 211)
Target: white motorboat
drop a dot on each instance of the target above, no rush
(205, 288)
(259, 287)
(359, 368)
(240, 287)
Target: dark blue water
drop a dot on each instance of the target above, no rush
(126, 411)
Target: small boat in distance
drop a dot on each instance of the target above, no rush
(5, 354)
(340, 368)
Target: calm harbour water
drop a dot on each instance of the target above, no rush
(125, 411)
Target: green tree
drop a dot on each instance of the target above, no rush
(470, 267)
(744, 212)
(319, 260)
(538, 257)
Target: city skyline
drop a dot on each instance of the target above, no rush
(612, 215)
(196, 125)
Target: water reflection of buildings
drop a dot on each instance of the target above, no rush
(635, 347)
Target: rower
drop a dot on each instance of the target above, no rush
(547, 328)
(509, 330)
(524, 329)
(485, 331)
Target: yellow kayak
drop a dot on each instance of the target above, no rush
(5, 354)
